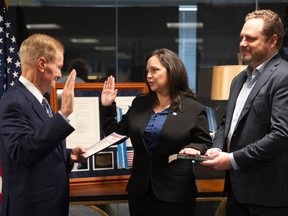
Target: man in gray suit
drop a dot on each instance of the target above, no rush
(252, 140)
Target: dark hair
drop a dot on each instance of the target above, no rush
(272, 24)
(177, 75)
(81, 67)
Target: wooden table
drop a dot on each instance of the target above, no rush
(98, 192)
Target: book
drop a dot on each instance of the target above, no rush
(113, 138)
(198, 158)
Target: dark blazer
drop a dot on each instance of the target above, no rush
(260, 139)
(34, 158)
(173, 181)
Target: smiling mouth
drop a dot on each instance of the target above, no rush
(152, 85)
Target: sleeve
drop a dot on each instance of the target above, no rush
(219, 140)
(26, 138)
(201, 138)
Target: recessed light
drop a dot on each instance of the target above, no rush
(105, 48)
(43, 26)
(185, 25)
(85, 40)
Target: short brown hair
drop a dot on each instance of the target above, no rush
(272, 24)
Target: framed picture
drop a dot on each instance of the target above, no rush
(80, 167)
(103, 161)
(113, 161)
(94, 89)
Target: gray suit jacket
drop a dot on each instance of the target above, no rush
(260, 139)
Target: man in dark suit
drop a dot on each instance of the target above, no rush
(35, 161)
(254, 131)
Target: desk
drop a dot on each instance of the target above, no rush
(98, 192)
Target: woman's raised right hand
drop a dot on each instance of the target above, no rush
(109, 92)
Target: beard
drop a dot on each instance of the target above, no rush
(254, 56)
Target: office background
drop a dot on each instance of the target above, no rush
(115, 36)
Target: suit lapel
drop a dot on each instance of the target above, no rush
(38, 108)
(145, 117)
(234, 91)
(158, 148)
(262, 80)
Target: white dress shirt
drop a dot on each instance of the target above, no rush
(247, 87)
(36, 92)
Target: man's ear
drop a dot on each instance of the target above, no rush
(273, 40)
(40, 64)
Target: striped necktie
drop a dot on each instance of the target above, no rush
(47, 107)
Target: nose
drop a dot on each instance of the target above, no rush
(243, 42)
(149, 74)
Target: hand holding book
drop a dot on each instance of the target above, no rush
(198, 158)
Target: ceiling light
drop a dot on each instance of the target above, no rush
(185, 25)
(105, 48)
(85, 40)
(124, 56)
(188, 8)
(189, 40)
(43, 26)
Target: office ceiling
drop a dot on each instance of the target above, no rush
(83, 18)
(129, 2)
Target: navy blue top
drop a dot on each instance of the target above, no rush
(153, 129)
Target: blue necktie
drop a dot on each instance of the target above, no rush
(47, 107)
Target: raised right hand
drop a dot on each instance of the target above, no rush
(67, 104)
(109, 92)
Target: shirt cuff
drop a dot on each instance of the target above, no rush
(63, 116)
(233, 162)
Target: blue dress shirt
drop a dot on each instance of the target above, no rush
(153, 129)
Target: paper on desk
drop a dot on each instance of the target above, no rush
(113, 138)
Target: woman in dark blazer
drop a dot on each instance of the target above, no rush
(167, 121)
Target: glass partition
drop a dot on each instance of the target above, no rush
(115, 36)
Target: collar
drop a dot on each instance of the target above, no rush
(32, 88)
(260, 68)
